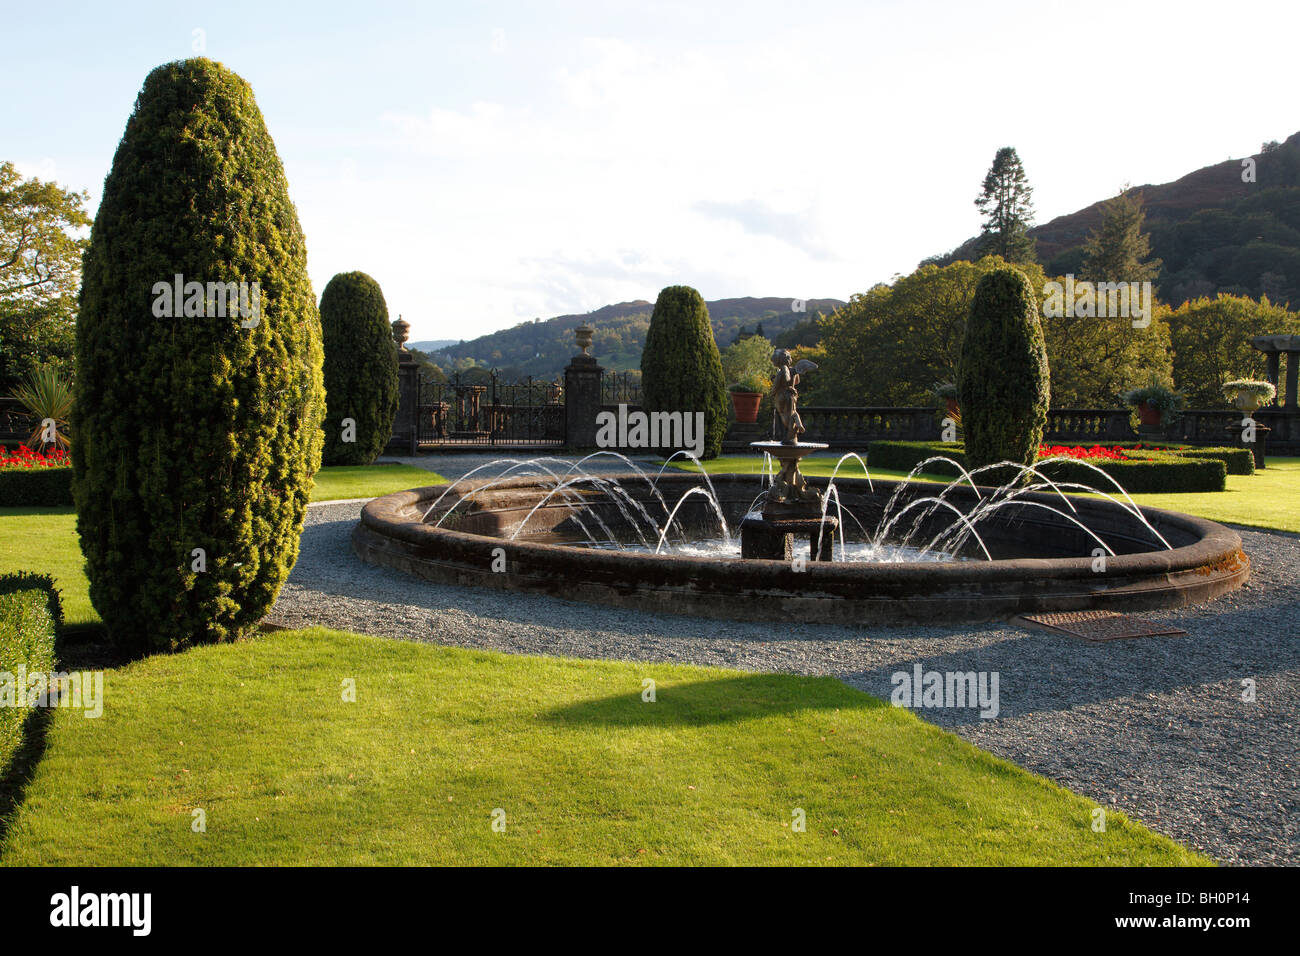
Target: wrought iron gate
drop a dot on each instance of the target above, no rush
(480, 409)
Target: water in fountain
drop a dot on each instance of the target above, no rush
(882, 544)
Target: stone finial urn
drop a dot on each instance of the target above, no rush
(401, 332)
(583, 334)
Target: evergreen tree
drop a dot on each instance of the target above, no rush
(198, 428)
(360, 369)
(1003, 377)
(1006, 200)
(681, 367)
(1118, 250)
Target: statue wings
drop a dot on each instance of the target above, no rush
(803, 367)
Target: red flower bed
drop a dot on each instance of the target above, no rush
(24, 457)
(1078, 451)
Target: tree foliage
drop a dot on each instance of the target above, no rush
(890, 345)
(1002, 377)
(1211, 343)
(749, 358)
(681, 370)
(40, 268)
(360, 369)
(195, 438)
(1006, 201)
(1118, 251)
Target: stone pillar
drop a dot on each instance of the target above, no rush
(406, 437)
(1271, 373)
(1272, 346)
(1292, 367)
(582, 395)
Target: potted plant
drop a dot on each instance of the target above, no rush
(946, 392)
(1153, 402)
(746, 395)
(1248, 393)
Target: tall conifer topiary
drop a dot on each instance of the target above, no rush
(360, 369)
(681, 370)
(1002, 374)
(198, 386)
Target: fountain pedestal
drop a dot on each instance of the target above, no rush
(793, 508)
(773, 539)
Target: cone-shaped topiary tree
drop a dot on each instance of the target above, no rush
(198, 387)
(681, 370)
(1002, 374)
(360, 369)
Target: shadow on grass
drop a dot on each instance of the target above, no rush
(18, 774)
(723, 701)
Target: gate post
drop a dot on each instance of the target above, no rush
(406, 436)
(581, 394)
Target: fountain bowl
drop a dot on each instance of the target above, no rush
(507, 534)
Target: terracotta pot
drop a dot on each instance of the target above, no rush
(745, 405)
(953, 407)
(1148, 415)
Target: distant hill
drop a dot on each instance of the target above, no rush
(1214, 232)
(542, 348)
(431, 346)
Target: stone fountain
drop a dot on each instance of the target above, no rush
(792, 506)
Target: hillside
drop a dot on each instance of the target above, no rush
(542, 348)
(1214, 232)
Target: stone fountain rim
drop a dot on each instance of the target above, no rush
(388, 516)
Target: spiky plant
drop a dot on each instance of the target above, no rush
(49, 398)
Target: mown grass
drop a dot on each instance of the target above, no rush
(258, 736)
(334, 482)
(1266, 499)
(45, 539)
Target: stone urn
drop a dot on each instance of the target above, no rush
(401, 332)
(583, 335)
(1248, 401)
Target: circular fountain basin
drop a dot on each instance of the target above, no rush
(517, 534)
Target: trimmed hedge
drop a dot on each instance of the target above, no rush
(32, 487)
(681, 368)
(360, 369)
(1002, 374)
(201, 428)
(1240, 461)
(1158, 472)
(30, 615)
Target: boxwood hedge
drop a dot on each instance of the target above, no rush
(1156, 472)
(35, 487)
(30, 616)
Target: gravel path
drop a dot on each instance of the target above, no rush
(1154, 727)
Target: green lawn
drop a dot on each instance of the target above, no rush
(45, 539)
(369, 481)
(1266, 499)
(257, 735)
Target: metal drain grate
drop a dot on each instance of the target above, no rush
(1102, 625)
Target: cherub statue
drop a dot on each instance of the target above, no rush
(785, 397)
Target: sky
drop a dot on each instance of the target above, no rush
(491, 163)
